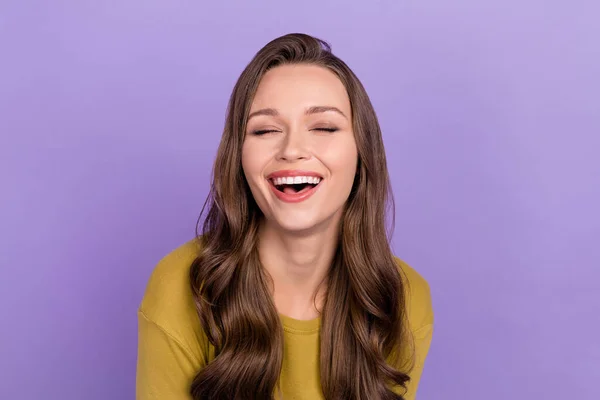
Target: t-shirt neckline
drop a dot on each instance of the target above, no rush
(299, 325)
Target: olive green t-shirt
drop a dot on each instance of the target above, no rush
(172, 347)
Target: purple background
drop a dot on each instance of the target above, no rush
(111, 112)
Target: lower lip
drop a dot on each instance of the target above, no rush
(294, 197)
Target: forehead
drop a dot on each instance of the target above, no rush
(295, 87)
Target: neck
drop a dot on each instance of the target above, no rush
(298, 264)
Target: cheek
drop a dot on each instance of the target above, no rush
(341, 157)
(251, 160)
(255, 158)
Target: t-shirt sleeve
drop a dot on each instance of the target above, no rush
(172, 347)
(422, 340)
(421, 321)
(165, 367)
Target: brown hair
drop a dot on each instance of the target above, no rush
(363, 318)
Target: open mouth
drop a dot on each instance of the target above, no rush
(292, 186)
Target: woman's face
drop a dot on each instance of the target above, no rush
(299, 154)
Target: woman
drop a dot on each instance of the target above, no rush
(291, 291)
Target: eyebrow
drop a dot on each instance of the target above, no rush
(272, 112)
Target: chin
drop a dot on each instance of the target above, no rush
(298, 224)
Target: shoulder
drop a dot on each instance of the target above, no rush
(168, 299)
(418, 296)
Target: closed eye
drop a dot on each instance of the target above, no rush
(330, 130)
(263, 131)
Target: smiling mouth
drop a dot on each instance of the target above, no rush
(294, 188)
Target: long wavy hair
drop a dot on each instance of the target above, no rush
(363, 326)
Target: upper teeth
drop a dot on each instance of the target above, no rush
(289, 180)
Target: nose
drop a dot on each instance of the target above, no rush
(293, 147)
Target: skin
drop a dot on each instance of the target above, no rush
(297, 241)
